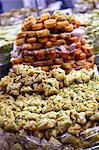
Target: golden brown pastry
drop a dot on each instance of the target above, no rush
(58, 61)
(81, 62)
(81, 56)
(60, 42)
(73, 39)
(40, 54)
(37, 26)
(37, 45)
(78, 44)
(27, 25)
(48, 44)
(64, 54)
(54, 37)
(31, 18)
(45, 68)
(31, 34)
(20, 41)
(50, 24)
(45, 16)
(28, 59)
(60, 18)
(26, 47)
(87, 49)
(69, 65)
(77, 52)
(83, 41)
(84, 49)
(65, 35)
(74, 21)
(49, 38)
(21, 35)
(32, 40)
(62, 24)
(69, 28)
(17, 61)
(51, 53)
(43, 39)
(55, 66)
(42, 33)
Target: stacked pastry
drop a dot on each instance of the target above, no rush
(52, 41)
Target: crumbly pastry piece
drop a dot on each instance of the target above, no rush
(77, 52)
(81, 56)
(75, 22)
(87, 49)
(73, 40)
(31, 18)
(28, 23)
(48, 44)
(60, 42)
(36, 46)
(32, 40)
(45, 16)
(62, 24)
(40, 54)
(50, 24)
(28, 59)
(37, 26)
(43, 39)
(68, 28)
(65, 35)
(27, 46)
(69, 65)
(20, 41)
(61, 18)
(17, 61)
(78, 45)
(42, 33)
(54, 37)
(59, 74)
(21, 35)
(31, 34)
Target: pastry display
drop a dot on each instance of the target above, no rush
(91, 23)
(16, 16)
(86, 5)
(51, 104)
(7, 37)
(51, 41)
(49, 100)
